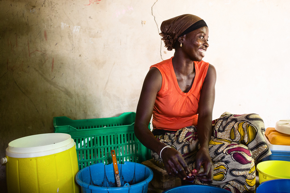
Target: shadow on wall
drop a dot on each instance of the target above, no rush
(11, 30)
(33, 89)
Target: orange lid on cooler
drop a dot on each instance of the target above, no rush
(277, 138)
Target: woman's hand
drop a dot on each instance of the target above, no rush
(203, 160)
(174, 163)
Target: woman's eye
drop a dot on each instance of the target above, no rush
(201, 37)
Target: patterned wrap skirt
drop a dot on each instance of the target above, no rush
(237, 144)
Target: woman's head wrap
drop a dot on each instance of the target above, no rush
(173, 28)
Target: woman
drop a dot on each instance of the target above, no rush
(180, 93)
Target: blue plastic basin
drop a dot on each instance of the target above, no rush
(196, 189)
(274, 186)
(99, 178)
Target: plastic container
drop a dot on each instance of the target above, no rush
(274, 186)
(278, 155)
(272, 147)
(41, 164)
(279, 152)
(99, 178)
(273, 169)
(196, 189)
(95, 138)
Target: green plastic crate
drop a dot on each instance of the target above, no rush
(95, 138)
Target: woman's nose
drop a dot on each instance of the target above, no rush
(206, 43)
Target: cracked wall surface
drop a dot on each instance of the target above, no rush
(88, 58)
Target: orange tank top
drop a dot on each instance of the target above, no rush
(174, 109)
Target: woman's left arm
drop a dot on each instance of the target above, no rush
(204, 126)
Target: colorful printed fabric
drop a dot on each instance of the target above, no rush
(236, 145)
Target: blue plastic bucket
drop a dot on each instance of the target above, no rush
(274, 186)
(100, 178)
(196, 189)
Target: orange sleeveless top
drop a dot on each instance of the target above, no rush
(174, 109)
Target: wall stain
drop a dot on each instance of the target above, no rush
(92, 2)
(52, 65)
(29, 99)
(124, 11)
(3, 75)
(45, 35)
(29, 53)
(62, 89)
(16, 40)
(109, 77)
(14, 67)
(43, 3)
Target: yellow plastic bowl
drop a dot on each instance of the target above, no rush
(273, 169)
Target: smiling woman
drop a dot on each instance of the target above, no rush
(196, 43)
(180, 94)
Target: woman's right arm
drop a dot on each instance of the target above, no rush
(172, 159)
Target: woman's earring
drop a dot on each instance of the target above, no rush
(180, 45)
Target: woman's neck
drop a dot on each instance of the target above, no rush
(182, 65)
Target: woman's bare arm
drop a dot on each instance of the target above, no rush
(204, 128)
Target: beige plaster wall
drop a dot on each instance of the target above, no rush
(88, 58)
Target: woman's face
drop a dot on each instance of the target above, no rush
(196, 44)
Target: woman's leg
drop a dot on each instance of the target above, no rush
(246, 129)
(234, 166)
(237, 145)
